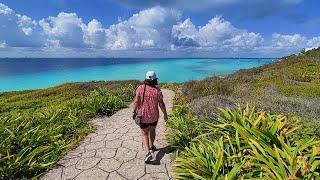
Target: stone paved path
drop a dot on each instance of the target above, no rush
(114, 151)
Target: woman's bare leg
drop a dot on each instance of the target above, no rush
(152, 134)
(145, 139)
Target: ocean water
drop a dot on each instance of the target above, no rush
(35, 73)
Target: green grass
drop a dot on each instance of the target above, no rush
(39, 127)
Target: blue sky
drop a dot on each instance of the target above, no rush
(164, 28)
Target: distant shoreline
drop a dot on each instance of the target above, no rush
(6, 58)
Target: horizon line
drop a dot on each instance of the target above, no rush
(140, 57)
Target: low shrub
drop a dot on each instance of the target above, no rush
(33, 139)
(184, 128)
(31, 144)
(249, 144)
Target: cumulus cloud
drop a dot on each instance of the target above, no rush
(151, 31)
(288, 44)
(294, 41)
(95, 34)
(149, 28)
(18, 30)
(288, 41)
(216, 34)
(67, 29)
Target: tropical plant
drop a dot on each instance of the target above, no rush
(31, 144)
(249, 144)
(184, 128)
(39, 127)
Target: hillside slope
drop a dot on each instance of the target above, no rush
(266, 126)
(290, 86)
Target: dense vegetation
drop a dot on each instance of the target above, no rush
(38, 127)
(275, 141)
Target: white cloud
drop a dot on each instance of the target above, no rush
(185, 34)
(216, 34)
(67, 28)
(3, 44)
(5, 9)
(149, 28)
(314, 42)
(95, 34)
(18, 30)
(151, 31)
(285, 44)
(288, 41)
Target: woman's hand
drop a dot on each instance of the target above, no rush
(134, 114)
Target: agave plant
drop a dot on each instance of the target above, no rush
(183, 128)
(31, 144)
(38, 127)
(207, 160)
(249, 144)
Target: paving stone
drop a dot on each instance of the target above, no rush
(115, 176)
(77, 151)
(109, 165)
(134, 134)
(69, 162)
(131, 144)
(124, 154)
(141, 155)
(134, 130)
(88, 153)
(85, 141)
(111, 137)
(126, 137)
(106, 153)
(138, 138)
(116, 125)
(121, 130)
(97, 120)
(169, 170)
(87, 163)
(97, 138)
(72, 156)
(92, 174)
(95, 145)
(133, 169)
(156, 168)
(104, 131)
(70, 172)
(158, 176)
(113, 144)
(53, 174)
(114, 152)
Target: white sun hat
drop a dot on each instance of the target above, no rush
(151, 75)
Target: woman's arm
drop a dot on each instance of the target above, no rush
(163, 109)
(136, 104)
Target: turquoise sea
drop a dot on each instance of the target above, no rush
(34, 73)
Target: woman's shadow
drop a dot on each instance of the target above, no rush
(160, 154)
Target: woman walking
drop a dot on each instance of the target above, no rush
(148, 98)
